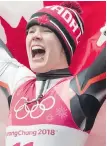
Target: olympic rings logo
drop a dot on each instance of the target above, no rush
(24, 107)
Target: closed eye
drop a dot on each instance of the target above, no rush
(31, 31)
(47, 30)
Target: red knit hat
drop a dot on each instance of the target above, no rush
(65, 21)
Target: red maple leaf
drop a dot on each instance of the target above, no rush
(43, 19)
(16, 40)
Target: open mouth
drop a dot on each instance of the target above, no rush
(37, 52)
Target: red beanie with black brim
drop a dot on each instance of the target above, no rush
(65, 21)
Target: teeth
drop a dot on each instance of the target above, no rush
(37, 47)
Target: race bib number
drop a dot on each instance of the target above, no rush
(44, 135)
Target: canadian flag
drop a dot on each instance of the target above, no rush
(15, 14)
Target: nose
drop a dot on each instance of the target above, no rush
(37, 35)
